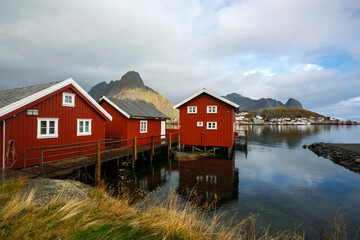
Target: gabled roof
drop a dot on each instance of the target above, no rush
(209, 93)
(134, 108)
(14, 99)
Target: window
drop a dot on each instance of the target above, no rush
(68, 99)
(143, 126)
(200, 124)
(47, 128)
(211, 109)
(192, 109)
(211, 125)
(84, 127)
(211, 179)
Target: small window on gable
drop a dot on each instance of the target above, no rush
(84, 127)
(68, 99)
(143, 126)
(211, 125)
(211, 109)
(47, 128)
(192, 109)
(199, 124)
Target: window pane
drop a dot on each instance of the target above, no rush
(43, 124)
(87, 126)
(43, 131)
(81, 126)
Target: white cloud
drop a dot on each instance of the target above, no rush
(258, 48)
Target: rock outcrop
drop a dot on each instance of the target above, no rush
(341, 156)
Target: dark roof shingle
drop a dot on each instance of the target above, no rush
(137, 108)
(10, 96)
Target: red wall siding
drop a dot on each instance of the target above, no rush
(23, 128)
(126, 128)
(223, 136)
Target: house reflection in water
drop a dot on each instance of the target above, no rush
(209, 178)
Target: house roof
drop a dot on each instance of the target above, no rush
(14, 99)
(209, 93)
(134, 108)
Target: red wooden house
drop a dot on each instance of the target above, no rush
(133, 118)
(48, 114)
(207, 119)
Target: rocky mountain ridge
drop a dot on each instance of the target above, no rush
(248, 104)
(131, 86)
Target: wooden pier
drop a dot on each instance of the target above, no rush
(79, 155)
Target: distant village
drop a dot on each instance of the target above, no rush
(243, 118)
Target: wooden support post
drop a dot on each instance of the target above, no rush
(246, 138)
(169, 146)
(134, 152)
(192, 149)
(152, 151)
(97, 169)
(117, 163)
(214, 151)
(80, 149)
(205, 149)
(112, 143)
(24, 157)
(121, 142)
(42, 162)
(179, 143)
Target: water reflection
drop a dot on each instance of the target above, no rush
(209, 179)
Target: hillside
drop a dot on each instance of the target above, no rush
(248, 104)
(284, 112)
(131, 86)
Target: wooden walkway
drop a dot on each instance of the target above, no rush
(53, 168)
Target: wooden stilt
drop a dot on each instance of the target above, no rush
(192, 148)
(179, 148)
(97, 169)
(134, 153)
(152, 150)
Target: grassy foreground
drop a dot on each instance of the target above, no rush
(116, 218)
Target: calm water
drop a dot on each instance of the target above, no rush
(288, 186)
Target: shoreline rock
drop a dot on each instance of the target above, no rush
(340, 156)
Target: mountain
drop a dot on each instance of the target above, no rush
(131, 86)
(248, 104)
(283, 112)
(293, 103)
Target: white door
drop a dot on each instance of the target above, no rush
(163, 131)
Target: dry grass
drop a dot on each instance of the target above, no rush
(110, 218)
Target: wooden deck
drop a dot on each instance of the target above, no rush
(65, 165)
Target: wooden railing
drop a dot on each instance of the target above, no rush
(81, 149)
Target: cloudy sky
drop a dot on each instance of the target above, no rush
(305, 49)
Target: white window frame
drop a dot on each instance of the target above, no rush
(192, 109)
(84, 133)
(143, 126)
(212, 126)
(47, 134)
(72, 96)
(200, 124)
(211, 109)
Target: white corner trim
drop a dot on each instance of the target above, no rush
(209, 93)
(12, 107)
(115, 106)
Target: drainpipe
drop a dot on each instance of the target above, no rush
(3, 155)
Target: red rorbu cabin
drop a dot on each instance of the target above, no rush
(133, 118)
(43, 115)
(207, 119)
